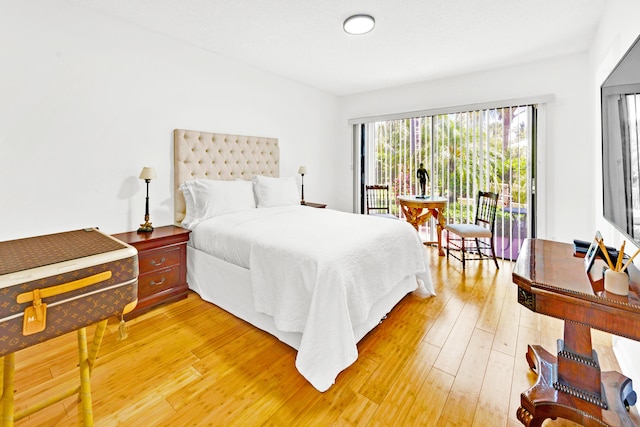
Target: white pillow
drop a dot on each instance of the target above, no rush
(190, 219)
(275, 191)
(206, 198)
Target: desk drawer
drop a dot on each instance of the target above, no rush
(159, 258)
(156, 281)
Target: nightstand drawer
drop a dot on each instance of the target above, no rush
(156, 281)
(159, 258)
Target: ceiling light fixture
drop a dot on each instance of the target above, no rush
(359, 24)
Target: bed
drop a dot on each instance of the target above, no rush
(317, 279)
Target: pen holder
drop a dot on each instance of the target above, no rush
(616, 282)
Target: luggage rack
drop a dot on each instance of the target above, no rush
(40, 280)
(87, 358)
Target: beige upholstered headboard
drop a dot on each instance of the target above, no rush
(203, 155)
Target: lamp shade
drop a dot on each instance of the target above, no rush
(302, 170)
(148, 173)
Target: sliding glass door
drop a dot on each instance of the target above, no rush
(463, 153)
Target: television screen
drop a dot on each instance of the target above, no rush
(620, 101)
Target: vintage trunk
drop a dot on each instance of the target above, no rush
(57, 283)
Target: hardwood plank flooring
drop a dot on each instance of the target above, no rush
(456, 359)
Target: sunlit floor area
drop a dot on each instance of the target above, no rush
(456, 359)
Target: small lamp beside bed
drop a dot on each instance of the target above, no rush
(302, 170)
(147, 174)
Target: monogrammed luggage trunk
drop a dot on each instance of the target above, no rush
(57, 283)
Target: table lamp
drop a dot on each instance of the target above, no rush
(302, 170)
(147, 174)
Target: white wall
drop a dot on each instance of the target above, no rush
(88, 100)
(617, 31)
(562, 192)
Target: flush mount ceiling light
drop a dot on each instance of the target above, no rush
(359, 24)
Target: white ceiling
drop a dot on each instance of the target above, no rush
(414, 40)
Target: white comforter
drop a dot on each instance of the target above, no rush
(318, 272)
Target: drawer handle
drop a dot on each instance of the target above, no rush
(154, 283)
(158, 264)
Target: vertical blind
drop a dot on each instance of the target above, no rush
(463, 152)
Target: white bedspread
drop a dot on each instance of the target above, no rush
(318, 272)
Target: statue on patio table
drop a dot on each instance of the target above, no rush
(423, 176)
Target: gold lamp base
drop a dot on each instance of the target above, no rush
(146, 227)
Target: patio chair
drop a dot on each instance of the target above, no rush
(378, 201)
(463, 236)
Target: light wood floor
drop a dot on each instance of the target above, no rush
(456, 359)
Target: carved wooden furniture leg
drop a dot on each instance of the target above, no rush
(418, 211)
(546, 399)
(440, 224)
(414, 216)
(542, 362)
(419, 216)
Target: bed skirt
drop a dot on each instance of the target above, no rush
(228, 287)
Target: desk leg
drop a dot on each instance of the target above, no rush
(565, 390)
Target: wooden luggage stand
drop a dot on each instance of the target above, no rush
(87, 357)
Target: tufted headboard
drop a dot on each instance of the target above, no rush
(202, 155)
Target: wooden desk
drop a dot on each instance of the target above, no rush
(552, 281)
(418, 211)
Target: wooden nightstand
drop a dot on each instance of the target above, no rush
(162, 263)
(314, 205)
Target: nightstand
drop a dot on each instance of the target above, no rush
(162, 264)
(314, 205)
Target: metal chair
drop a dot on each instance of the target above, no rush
(460, 236)
(378, 201)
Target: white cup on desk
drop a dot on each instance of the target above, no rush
(616, 282)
